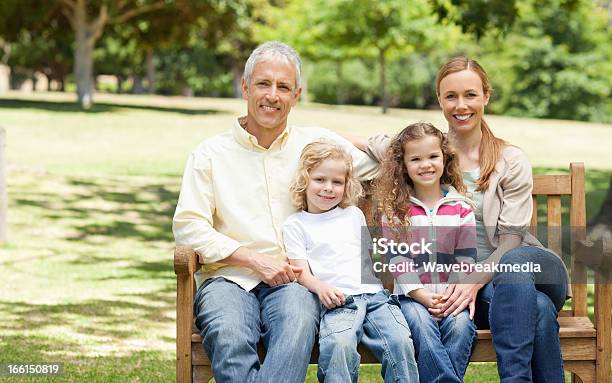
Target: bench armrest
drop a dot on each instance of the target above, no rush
(185, 263)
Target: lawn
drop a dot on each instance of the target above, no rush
(87, 273)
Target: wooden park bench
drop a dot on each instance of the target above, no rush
(585, 344)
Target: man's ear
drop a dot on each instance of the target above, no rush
(245, 89)
(296, 96)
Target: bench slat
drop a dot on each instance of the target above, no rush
(578, 342)
(552, 184)
(577, 348)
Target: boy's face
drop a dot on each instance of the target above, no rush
(326, 185)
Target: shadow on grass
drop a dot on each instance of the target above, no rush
(77, 366)
(114, 208)
(98, 107)
(104, 318)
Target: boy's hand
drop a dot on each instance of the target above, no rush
(329, 296)
(427, 299)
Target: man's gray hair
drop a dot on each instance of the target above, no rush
(273, 50)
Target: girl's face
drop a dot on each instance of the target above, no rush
(326, 184)
(462, 100)
(424, 161)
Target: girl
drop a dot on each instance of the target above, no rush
(420, 187)
(325, 239)
(520, 307)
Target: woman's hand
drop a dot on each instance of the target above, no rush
(456, 298)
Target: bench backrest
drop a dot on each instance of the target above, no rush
(553, 187)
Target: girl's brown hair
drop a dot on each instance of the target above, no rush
(491, 147)
(312, 156)
(393, 187)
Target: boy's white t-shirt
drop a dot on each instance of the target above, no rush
(332, 244)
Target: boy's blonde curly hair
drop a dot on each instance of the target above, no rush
(312, 156)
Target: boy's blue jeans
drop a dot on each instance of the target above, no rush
(375, 320)
(443, 347)
(232, 320)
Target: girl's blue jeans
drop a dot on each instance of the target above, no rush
(443, 347)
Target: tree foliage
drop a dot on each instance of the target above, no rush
(546, 58)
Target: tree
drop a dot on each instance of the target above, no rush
(558, 62)
(128, 49)
(340, 30)
(478, 17)
(88, 19)
(230, 30)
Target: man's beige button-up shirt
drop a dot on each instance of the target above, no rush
(236, 193)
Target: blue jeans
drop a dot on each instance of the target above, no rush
(443, 347)
(375, 320)
(232, 320)
(522, 312)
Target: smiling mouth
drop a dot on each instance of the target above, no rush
(327, 198)
(268, 108)
(463, 117)
(427, 174)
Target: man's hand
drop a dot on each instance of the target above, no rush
(329, 296)
(271, 271)
(275, 272)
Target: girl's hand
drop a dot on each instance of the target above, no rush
(424, 297)
(456, 299)
(329, 296)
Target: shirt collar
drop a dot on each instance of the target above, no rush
(249, 141)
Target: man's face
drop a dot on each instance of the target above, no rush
(270, 96)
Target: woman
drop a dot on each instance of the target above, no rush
(520, 307)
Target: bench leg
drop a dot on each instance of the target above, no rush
(576, 379)
(202, 374)
(582, 371)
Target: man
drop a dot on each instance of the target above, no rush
(234, 199)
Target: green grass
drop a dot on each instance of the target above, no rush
(87, 275)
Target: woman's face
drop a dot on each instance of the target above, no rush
(462, 100)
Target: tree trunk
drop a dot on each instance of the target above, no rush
(83, 56)
(49, 79)
(305, 97)
(120, 80)
(383, 81)
(150, 67)
(3, 192)
(137, 87)
(237, 79)
(34, 81)
(340, 95)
